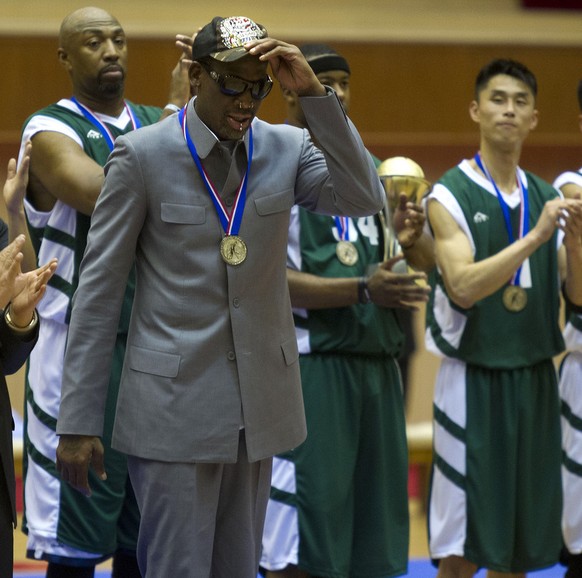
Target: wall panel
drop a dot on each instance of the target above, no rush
(403, 95)
(408, 99)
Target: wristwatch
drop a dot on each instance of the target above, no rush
(364, 296)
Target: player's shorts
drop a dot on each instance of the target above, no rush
(339, 503)
(63, 525)
(496, 496)
(571, 397)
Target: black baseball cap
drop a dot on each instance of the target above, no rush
(224, 38)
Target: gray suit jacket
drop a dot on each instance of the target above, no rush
(211, 347)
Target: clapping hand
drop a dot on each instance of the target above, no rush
(22, 290)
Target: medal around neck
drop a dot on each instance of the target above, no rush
(233, 250)
(514, 298)
(346, 253)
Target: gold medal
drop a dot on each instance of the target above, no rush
(514, 298)
(347, 253)
(233, 250)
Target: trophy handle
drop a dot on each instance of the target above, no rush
(385, 228)
(390, 240)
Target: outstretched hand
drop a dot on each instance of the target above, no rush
(22, 290)
(10, 259)
(29, 289)
(180, 89)
(17, 181)
(184, 43)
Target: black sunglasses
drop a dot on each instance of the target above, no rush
(235, 86)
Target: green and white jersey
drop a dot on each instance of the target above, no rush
(487, 334)
(573, 328)
(573, 332)
(62, 232)
(574, 177)
(359, 329)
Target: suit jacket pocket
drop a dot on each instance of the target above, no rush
(153, 362)
(290, 351)
(275, 202)
(183, 214)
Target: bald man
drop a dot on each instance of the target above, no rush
(71, 142)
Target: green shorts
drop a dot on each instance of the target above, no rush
(496, 493)
(348, 495)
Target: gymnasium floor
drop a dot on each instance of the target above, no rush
(417, 569)
(419, 566)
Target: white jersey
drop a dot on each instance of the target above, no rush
(571, 401)
(61, 217)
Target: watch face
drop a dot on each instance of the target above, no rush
(346, 253)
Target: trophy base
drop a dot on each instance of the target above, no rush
(398, 267)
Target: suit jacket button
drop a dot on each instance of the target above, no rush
(231, 355)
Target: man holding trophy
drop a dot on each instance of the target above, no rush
(339, 503)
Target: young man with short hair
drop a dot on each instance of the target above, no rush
(505, 242)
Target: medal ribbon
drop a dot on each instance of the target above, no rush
(524, 210)
(101, 127)
(230, 222)
(343, 224)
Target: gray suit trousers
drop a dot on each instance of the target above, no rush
(201, 520)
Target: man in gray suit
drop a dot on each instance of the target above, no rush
(210, 389)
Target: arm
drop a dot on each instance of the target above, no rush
(348, 183)
(61, 170)
(20, 319)
(572, 191)
(313, 292)
(115, 227)
(468, 281)
(420, 255)
(20, 293)
(386, 289)
(288, 65)
(15, 347)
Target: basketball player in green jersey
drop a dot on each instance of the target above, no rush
(505, 242)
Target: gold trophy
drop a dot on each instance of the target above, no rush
(399, 175)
